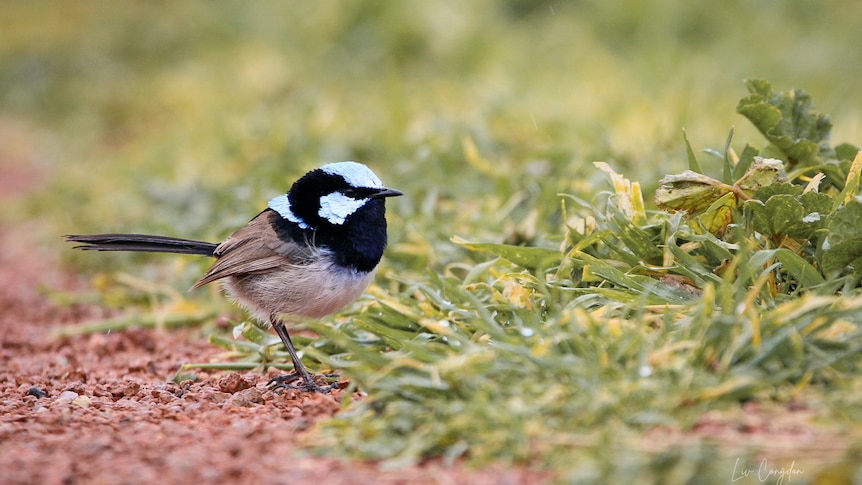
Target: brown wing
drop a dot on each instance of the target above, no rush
(255, 248)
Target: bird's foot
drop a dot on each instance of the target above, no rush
(285, 381)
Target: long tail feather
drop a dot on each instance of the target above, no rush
(141, 242)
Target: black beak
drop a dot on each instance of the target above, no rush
(386, 193)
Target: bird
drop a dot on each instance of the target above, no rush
(308, 254)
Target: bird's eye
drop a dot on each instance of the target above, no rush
(350, 192)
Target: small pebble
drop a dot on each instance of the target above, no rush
(68, 396)
(35, 391)
(233, 383)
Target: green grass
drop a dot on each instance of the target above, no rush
(572, 328)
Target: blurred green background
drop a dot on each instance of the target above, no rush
(184, 118)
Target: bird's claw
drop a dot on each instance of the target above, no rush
(284, 382)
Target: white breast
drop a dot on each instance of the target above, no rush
(309, 291)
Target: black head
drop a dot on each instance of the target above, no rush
(339, 206)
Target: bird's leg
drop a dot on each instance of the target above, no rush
(299, 371)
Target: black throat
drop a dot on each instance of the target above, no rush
(356, 244)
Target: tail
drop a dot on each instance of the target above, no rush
(141, 242)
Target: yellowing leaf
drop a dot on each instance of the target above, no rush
(718, 215)
(851, 187)
(474, 158)
(517, 294)
(689, 191)
(630, 197)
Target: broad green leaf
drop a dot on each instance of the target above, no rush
(844, 239)
(763, 194)
(784, 214)
(846, 151)
(844, 255)
(781, 215)
(787, 120)
(816, 203)
(844, 225)
(755, 214)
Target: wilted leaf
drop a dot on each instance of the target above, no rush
(762, 173)
(629, 196)
(718, 215)
(715, 201)
(851, 186)
(689, 191)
